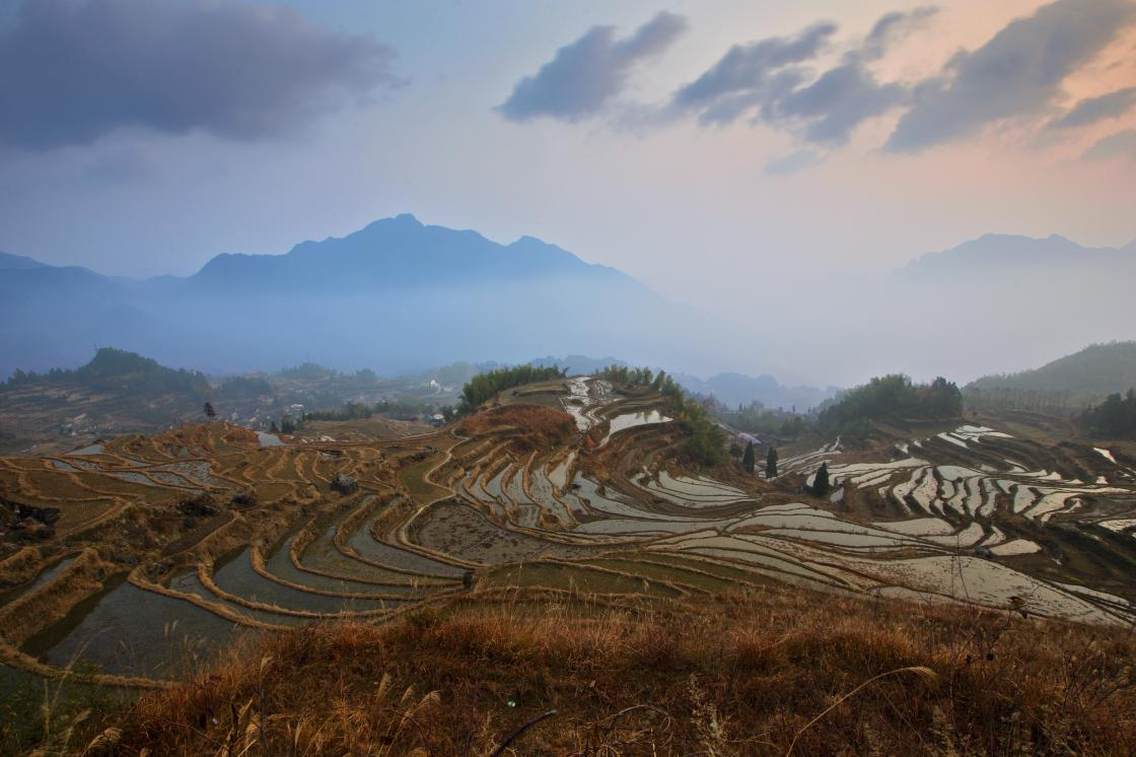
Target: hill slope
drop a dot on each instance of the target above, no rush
(635, 680)
(1094, 372)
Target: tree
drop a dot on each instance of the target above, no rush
(484, 386)
(748, 458)
(820, 481)
(771, 463)
(210, 413)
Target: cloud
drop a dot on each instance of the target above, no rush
(746, 72)
(892, 28)
(1093, 109)
(1017, 73)
(838, 101)
(72, 71)
(584, 76)
(767, 78)
(793, 163)
(1119, 145)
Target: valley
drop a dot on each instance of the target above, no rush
(135, 562)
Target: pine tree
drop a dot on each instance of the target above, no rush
(771, 463)
(820, 481)
(748, 458)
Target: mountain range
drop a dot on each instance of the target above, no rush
(400, 296)
(396, 295)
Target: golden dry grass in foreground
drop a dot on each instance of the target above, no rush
(761, 673)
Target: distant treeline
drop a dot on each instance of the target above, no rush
(113, 369)
(244, 387)
(485, 386)
(624, 374)
(759, 420)
(400, 409)
(891, 397)
(1012, 398)
(1115, 417)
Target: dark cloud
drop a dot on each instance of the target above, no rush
(1017, 73)
(1093, 109)
(1119, 145)
(767, 79)
(585, 75)
(746, 71)
(837, 102)
(74, 70)
(893, 27)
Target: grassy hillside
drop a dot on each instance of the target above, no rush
(772, 671)
(116, 392)
(1077, 379)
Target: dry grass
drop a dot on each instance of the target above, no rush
(532, 426)
(762, 673)
(22, 565)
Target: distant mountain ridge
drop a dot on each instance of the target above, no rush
(1008, 253)
(397, 295)
(10, 262)
(398, 253)
(740, 389)
(1087, 375)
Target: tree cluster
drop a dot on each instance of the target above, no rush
(400, 409)
(1115, 417)
(890, 397)
(755, 418)
(485, 386)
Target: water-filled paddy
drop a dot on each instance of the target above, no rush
(129, 631)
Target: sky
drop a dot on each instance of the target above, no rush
(709, 148)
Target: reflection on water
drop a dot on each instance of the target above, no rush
(129, 631)
(631, 420)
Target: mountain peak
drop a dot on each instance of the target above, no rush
(399, 253)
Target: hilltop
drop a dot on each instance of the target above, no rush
(116, 392)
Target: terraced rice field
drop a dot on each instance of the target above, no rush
(138, 586)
